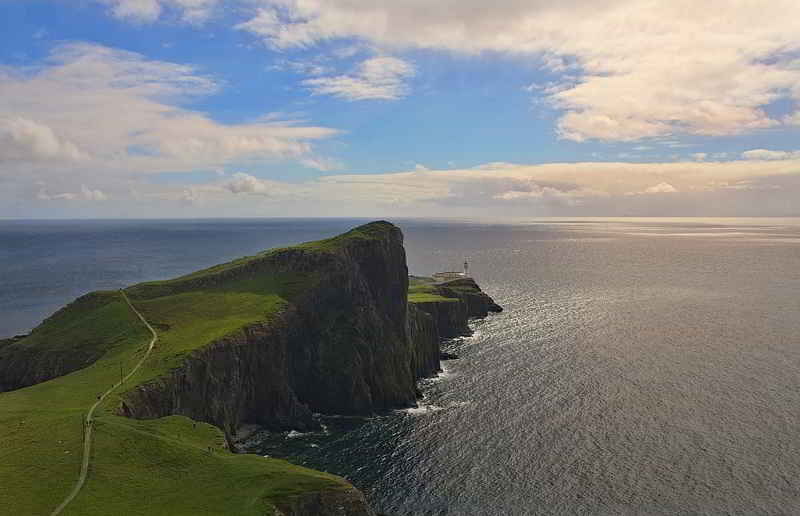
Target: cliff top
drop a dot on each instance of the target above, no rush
(422, 289)
(231, 271)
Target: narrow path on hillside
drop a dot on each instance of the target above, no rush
(89, 421)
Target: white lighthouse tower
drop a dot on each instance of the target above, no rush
(466, 268)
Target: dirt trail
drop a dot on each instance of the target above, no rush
(89, 421)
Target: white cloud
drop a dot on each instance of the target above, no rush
(135, 10)
(245, 183)
(769, 155)
(312, 67)
(195, 11)
(377, 78)
(22, 139)
(323, 164)
(743, 187)
(661, 188)
(536, 192)
(241, 183)
(148, 11)
(647, 69)
(566, 184)
(93, 195)
(85, 193)
(699, 156)
(101, 111)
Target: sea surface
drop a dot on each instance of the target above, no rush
(641, 366)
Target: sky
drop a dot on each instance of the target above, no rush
(381, 108)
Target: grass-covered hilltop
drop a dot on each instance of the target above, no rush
(323, 327)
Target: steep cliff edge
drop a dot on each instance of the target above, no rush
(451, 304)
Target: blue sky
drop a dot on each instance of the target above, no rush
(127, 108)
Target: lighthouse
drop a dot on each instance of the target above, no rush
(466, 268)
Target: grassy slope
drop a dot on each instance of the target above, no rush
(422, 290)
(146, 467)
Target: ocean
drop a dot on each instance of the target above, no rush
(641, 366)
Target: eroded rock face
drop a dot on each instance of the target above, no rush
(242, 377)
(424, 340)
(478, 303)
(452, 317)
(342, 347)
(349, 502)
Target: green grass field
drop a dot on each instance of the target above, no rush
(422, 290)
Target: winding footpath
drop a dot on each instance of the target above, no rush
(88, 422)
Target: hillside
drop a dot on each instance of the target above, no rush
(268, 339)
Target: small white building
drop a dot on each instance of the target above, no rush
(452, 275)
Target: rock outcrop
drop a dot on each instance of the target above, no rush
(348, 502)
(451, 317)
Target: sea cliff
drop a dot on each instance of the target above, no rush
(348, 343)
(327, 327)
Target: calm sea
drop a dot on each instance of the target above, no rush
(642, 366)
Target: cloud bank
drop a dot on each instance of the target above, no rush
(631, 69)
(507, 189)
(91, 113)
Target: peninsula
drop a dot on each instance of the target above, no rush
(139, 392)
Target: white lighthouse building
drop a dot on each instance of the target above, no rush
(452, 275)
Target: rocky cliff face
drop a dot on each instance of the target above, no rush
(424, 339)
(341, 347)
(451, 317)
(350, 344)
(327, 503)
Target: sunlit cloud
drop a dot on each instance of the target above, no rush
(377, 78)
(148, 11)
(555, 188)
(769, 155)
(96, 112)
(645, 69)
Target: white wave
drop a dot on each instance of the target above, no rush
(456, 404)
(429, 408)
(446, 372)
(422, 410)
(294, 434)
